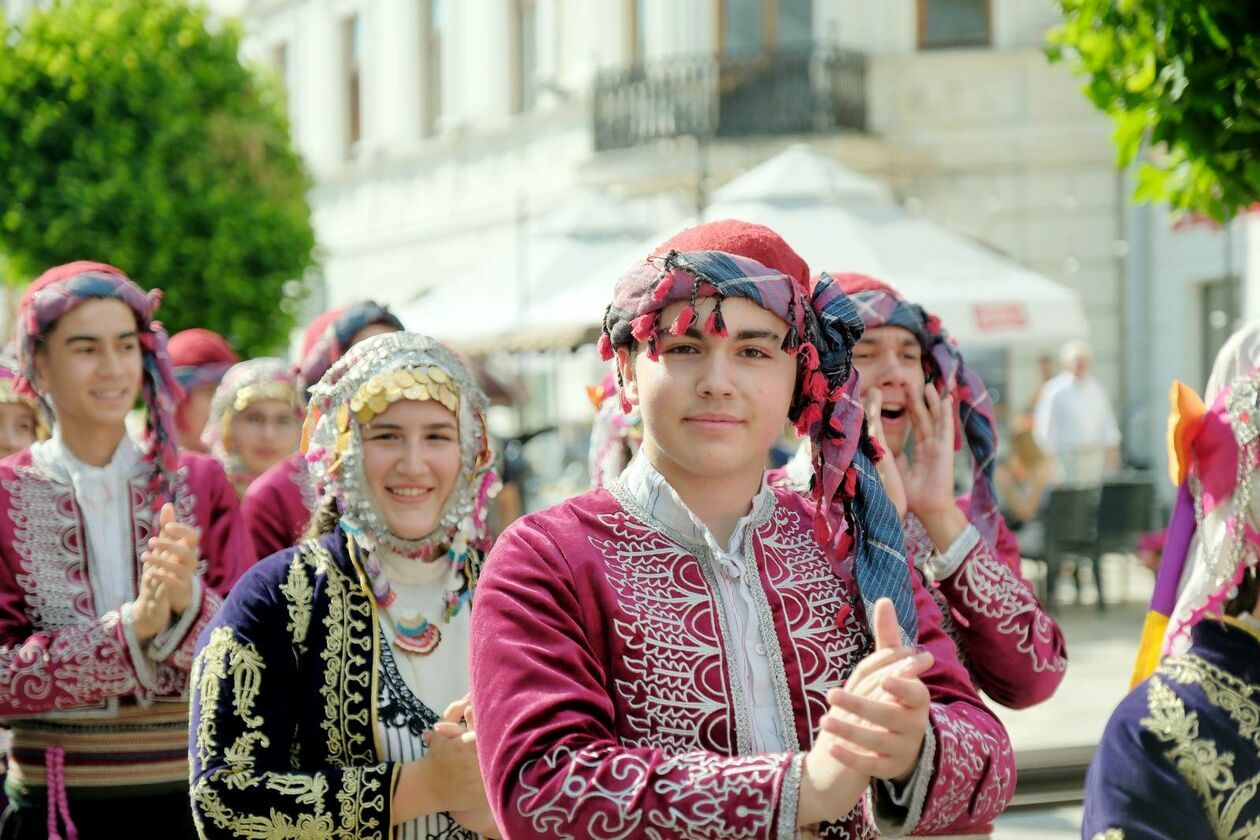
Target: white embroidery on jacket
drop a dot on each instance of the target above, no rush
(975, 770)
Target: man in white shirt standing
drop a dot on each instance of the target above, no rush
(1075, 422)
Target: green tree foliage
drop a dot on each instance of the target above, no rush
(1180, 78)
(130, 133)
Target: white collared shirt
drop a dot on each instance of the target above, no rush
(104, 495)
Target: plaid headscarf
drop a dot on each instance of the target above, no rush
(737, 259)
(328, 337)
(882, 306)
(200, 357)
(65, 287)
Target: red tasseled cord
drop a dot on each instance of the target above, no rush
(605, 347)
(715, 324)
(684, 321)
(661, 291)
(643, 327)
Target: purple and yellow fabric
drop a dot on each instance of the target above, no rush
(1212, 454)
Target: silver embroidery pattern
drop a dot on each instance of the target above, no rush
(709, 796)
(50, 550)
(990, 589)
(86, 670)
(813, 596)
(676, 697)
(973, 764)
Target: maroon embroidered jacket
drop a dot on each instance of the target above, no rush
(607, 705)
(1006, 639)
(278, 505)
(56, 652)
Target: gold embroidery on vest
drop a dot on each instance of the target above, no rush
(300, 594)
(347, 654)
(1224, 690)
(1208, 772)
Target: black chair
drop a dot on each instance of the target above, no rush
(1071, 519)
(1124, 514)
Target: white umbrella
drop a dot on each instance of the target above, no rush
(841, 221)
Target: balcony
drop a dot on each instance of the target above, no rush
(787, 92)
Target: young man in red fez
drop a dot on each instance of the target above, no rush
(279, 503)
(688, 652)
(915, 386)
(113, 555)
(200, 358)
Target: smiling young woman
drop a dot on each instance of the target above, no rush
(375, 611)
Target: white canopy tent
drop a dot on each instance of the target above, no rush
(487, 306)
(841, 221)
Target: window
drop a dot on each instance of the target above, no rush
(525, 74)
(741, 26)
(794, 23)
(751, 27)
(431, 24)
(954, 23)
(352, 54)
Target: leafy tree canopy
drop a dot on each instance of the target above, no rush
(130, 133)
(1182, 78)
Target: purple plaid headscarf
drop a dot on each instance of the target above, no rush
(65, 287)
(880, 305)
(751, 261)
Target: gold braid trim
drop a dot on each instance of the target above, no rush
(299, 592)
(361, 791)
(1224, 690)
(1209, 773)
(347, 654)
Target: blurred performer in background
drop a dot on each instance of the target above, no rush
(200, 358)
(279, 504)
(255, 419)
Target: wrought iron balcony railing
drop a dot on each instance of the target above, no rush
(785, 92)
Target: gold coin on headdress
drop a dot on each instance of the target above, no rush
(404, 378)
(412, 393)
(364, 416)
(424, 392)
(343, 416)
(378, 403)
(343, 441)
(438, 375)
(375, 386)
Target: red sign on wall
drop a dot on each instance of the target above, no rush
(992, 317)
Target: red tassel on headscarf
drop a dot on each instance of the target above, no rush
(662, 289)
(715, 324)
(684, 320)
(643, 327)
(605, 347)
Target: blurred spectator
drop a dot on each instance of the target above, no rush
(1024, 479)
(200, 358)
(1074, 421)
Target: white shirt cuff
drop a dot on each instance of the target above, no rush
(940, 566)
(146, 668)
(164, 644)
